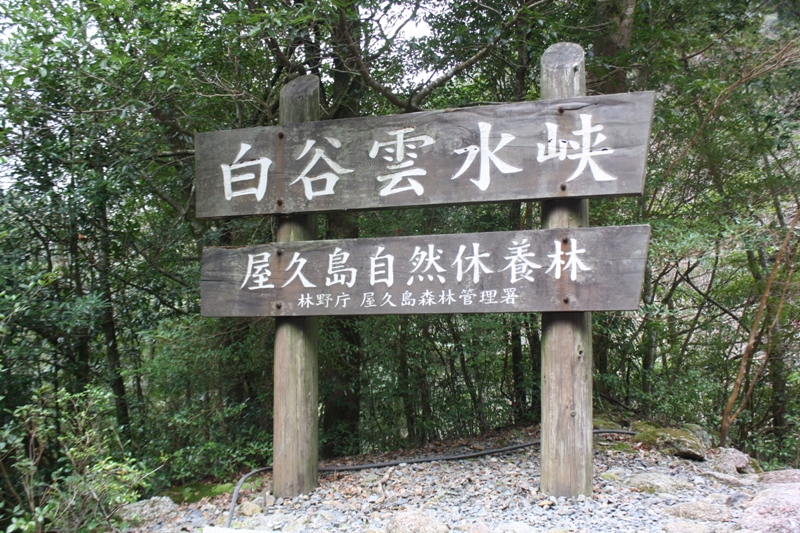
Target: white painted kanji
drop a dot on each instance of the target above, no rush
(401, 153)
(329, 179)
(488, 157)
(560, 148)
(258, 271)
(258, 179)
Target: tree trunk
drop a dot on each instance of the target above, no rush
(341, 371)
(107, 319)
(617, 18)
(777, 379)
(404, 382)
(532, 333)
(520, 402)
(477, 407)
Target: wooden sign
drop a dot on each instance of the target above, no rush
(577, 147)
(575, 269)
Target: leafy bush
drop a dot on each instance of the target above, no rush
(69, 470)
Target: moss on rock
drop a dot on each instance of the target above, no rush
(676, 442)
(601, 422)
(643, 425)
(194, 492)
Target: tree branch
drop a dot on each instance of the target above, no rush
(415, 102)
(426, 91)
(755, 337)
(364, 70)
(790, 53)
(711, 300)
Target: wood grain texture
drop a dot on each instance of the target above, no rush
(295, 405)
(512, 135)
(566, 337)
(615, 257)
(566, 404)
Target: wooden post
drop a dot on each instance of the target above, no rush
(566, 337)
(296, 429)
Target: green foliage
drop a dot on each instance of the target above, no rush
(218, 424)
(91, 476)
(194, 492)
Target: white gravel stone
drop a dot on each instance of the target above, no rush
(483, 495)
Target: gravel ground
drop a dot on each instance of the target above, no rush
(499, 492)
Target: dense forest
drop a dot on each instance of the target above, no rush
(113, 386)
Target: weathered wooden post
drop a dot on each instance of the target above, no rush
(295, 426)
(566, 337)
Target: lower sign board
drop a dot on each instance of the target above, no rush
(570, 269)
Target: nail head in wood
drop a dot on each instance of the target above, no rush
(563, 186)
(566, 299)
(280, 135)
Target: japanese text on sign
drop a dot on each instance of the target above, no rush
(478, 273)
(592, 146)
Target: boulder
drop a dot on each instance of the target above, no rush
(700, 433)
(654, 482)
(415, 522)
(684, 526)
(249, 509)
(600, 422)
(730, 461)
(643, 425)
(678, 442)
(480, 527)
(700, 511)
(775, 509)
(730, 480)
(781, 476)
(147, 511)
(737, 499)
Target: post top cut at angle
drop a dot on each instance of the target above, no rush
(577, 147)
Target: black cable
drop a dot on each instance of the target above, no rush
(350, 468)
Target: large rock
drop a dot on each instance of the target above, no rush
(700, 433)
(147, 511)
(249, 509)
(774, 510)
(730, 480)
(781, 476)
(480, 527)
(730, 461)
(684, 526)
(678, 442)
(415, 522)
(655, 482)
(700, 511)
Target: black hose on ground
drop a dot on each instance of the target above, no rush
(351, 468)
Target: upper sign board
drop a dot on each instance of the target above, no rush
(571, 269)
(571, 148)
